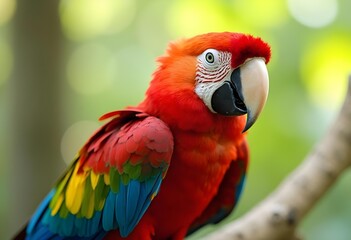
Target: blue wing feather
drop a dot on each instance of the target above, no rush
(132, 198)
(40, 211)
(122, 210)
(129, 216)
(60, 229)
(239, 188)
(108, 219)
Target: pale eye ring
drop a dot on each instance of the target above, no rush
(209, 57)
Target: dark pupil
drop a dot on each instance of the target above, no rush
(209, 57)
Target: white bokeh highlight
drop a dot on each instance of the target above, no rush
(75, 137)
(313, 13)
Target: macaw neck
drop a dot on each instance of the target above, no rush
(186, 112)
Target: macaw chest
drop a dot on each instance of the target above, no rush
(193, 178)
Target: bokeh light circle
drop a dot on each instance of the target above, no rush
(260, 13)
(314, 13)
(91, 69)
(189, 18)
(82, 19)
(325, 67)
(74, 138)
(7, 9)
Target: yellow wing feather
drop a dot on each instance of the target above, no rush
(94, 178)
(75, 191)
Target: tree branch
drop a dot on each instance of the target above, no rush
(278, 216)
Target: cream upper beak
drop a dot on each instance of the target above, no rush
(254, 88)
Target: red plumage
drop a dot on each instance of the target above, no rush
(202, 156)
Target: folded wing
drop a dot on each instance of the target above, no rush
(111, 183)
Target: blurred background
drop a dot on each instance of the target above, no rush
(65, 63)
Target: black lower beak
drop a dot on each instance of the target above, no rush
(228, 99)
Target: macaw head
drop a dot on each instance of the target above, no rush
(224, 72)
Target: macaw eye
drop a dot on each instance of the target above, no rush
(209, 57)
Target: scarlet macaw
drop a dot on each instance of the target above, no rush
(175, 162)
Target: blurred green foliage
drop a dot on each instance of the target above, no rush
(111, 46)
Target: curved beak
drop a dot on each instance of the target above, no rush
(245, 93)
(254, 88)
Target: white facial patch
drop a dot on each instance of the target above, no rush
(205, 92)
(213, 68)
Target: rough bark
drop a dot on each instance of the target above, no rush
(279, 215)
